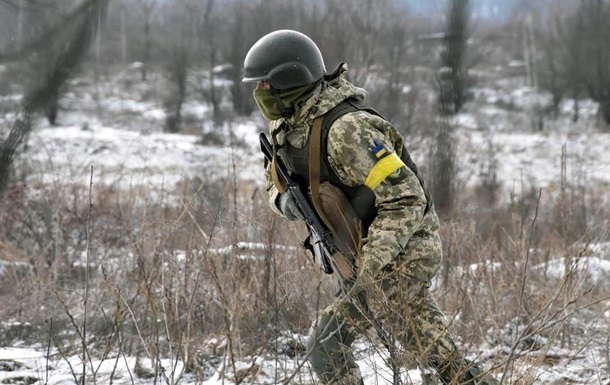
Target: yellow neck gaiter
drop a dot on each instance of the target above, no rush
(290, 97)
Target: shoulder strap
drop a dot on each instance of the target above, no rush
(342, 265)
(345, 107)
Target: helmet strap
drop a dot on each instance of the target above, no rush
(286, 111)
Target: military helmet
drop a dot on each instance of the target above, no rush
(285, 59)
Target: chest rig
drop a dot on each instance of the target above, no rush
(297, 162)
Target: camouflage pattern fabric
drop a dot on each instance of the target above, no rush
(407, 314)
(399, 258)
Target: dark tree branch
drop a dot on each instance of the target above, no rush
(10, 5)
(54, 79)
(47, 36)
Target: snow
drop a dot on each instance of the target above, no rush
(125, 158)
(596, 268)
(535, 159)
(128, 158)
(52, 369)
(555, 365)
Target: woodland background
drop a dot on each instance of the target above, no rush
(136, 245)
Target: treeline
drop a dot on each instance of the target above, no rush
(562, 46)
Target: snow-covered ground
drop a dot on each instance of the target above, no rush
(127, 157)
(38, 366)
(542, 362)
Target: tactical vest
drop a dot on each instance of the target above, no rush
(363, 199)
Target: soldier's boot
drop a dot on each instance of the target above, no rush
(329, 352)
(428, 378)
(335, 366)
(463, 372)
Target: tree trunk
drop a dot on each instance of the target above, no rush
(443, 162)
(238, 93)
(575, 109)
(454, 51)
(604, 110)
(178, 75)
(529, 51)
(213, 94)
(123, 35)
(449, 102)
(147, 45)
(52, 109)
(20, 25)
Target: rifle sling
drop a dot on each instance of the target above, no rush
(342, 266)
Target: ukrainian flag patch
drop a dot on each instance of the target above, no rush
(388, 165)
(379, 150)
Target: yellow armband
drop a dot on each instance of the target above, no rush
(385, 167)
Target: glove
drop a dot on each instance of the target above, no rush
(289, 208)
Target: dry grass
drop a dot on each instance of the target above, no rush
(183, 281)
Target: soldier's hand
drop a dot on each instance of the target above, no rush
(289, 208)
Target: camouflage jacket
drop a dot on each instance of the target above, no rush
(401, 230)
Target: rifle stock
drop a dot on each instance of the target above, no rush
(321, 242)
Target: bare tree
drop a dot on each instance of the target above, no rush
(449, 102)
(576, 56)
(40, 38)
(597, 51)
(239, 43)
(147, 7)
(208, 34)
(55, 77)
(455, 51)
(396, 67)
(178, 21)
(562, 65)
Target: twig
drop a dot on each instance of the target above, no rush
(522, 293)
(46, 368)
(63, 355)
(608, 354)
(135, 323)
(87, 282)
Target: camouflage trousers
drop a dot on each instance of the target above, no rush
(401, 305)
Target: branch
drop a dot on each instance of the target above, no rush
(10, 5)
(47, 36)
(54, 79)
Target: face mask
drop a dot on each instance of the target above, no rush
(290, 97)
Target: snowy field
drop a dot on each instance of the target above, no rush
(129, 158)
(37, 366)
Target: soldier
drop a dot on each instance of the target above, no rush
(401, 249)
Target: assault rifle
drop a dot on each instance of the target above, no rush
(320, 241)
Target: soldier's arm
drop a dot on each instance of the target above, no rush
(399, 197)
(272, 192)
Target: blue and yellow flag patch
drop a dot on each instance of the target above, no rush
(379, 150)
(388, 165)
